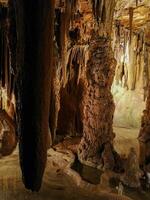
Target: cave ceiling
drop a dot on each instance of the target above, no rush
(141, 13)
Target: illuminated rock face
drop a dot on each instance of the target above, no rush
(131, 77)
(132, 74)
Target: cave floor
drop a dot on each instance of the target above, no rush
(125, 139)
(56, 185)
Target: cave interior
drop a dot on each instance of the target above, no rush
(75, 99)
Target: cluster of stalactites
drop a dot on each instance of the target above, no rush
(78, 55)
(99, 10)
(103, 13)
(64, 16)
(7, 54)
(131, 53)
(131, 22)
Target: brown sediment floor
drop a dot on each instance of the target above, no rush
(56, 184)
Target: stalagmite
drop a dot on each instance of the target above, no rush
(131, 177)
(97, 119)
(96, 144)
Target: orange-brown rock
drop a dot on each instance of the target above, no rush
(98, 104)
(8, 138)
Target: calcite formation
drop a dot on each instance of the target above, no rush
(144, 134)
(97, 118)
(130, 86)
(58, 62)
(71, 94)
(8, 138)
(34, 61)
(132, 174)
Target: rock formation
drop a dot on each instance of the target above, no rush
(57, 67)
(144, 135)
(132, 72)
(34, 60)
(97, 119)
(132, 175)
(8, 138)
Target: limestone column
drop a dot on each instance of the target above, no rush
(96, 147)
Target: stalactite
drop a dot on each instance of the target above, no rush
(131, 56)
(97, 6)
(2, 52)
(78, 54)
(12, 43)
(6, 67)
(103, 17)
(66, 18)
(34, 65)
(76, 65)
(8, 57)
(131, 22)
(130, 52)
(63, 44)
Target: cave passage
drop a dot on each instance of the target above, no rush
(75, 99)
